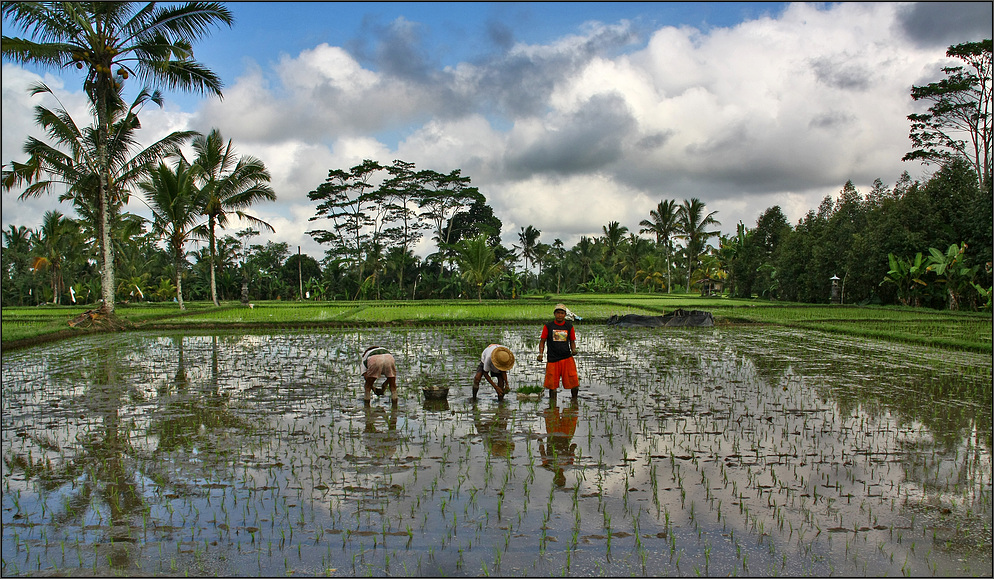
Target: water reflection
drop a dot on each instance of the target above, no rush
(380, 432)
(186, 418)
(492, 425)
(97, 486)
(558, 450)
(435, 404)
(786, 449)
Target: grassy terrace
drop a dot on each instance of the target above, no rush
(954, 330)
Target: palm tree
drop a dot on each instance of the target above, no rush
(176, 204)
(649, 271)
(587, 252)
(528, 236)
(614, 233)
(54, 245)
(663, 225)
(632, 252)
(154, 44)
(476, 260)
(71, 162)
(691, 227)
(15, 256)
(230, 184)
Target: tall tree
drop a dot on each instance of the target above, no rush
(153, 44)
(957, 122)
(401, 192)
(445, 196)
(16, 260)
(176, 203)
(614, 234)
(477, 262)
(528, 237)
(692, 227)
(53, 248)
(771, 229)
(662, 224)
(587, 253)
(345, 200)
(478, 219)
(71, 159)
(632, 251)
(230, 184)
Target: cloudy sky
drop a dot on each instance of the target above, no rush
(565, 116)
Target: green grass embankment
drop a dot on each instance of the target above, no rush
(969, 331)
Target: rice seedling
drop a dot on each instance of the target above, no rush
(727, 446)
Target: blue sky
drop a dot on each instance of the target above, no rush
(566, 116)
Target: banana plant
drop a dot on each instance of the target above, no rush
(907, 275)
(951, 269)
(985, 295)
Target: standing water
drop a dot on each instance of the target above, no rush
(736, 451)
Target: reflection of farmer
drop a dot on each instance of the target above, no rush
(376, 362)
(495, 361)
(560, 366)
(494, 430)
(380, 444)
(558, 452)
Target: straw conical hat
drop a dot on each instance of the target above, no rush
(502, 358)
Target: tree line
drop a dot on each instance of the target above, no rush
(924, 244)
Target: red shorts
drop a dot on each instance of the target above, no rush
(563, 370)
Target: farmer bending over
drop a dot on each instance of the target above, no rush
(495, 361)
(376, 362)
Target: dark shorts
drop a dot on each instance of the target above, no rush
(494, 374)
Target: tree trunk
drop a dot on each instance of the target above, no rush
(179, 283)
(245, 295)
(103, 202)
(213, 252)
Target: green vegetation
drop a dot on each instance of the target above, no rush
(968, 331)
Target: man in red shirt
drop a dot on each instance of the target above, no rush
(560, 366)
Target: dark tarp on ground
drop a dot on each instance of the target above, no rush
(677, 319)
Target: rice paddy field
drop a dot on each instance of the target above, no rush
(755, 449)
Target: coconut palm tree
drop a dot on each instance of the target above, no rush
(230, 184)
(154, 44)
(632, 251)
(614, 234)
(692, 226)
(477, 262)
(53, 245)
(70, 159)
(176, 203)
(528, 236)
(587, 252)
(663, 225)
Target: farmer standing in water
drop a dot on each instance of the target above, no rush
(560, 366)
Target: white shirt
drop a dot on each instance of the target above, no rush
(485, 357)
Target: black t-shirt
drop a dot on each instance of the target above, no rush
(557, 340)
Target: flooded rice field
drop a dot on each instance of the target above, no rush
(716, 451)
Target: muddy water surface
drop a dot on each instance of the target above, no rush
(733, 451)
